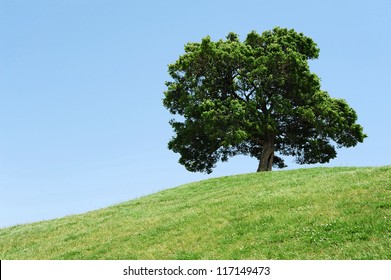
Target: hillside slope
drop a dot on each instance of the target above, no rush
(317, 213)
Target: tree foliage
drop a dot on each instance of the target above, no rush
(256, 98)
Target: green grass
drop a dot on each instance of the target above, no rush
(317, 213)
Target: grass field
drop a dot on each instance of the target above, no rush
(316, 213)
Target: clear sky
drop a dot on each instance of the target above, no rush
(82, 124)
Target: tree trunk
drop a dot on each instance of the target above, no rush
(267, 155)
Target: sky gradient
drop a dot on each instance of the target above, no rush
(82, 125)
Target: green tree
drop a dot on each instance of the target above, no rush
(256, 98)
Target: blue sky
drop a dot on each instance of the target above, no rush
(82, 124)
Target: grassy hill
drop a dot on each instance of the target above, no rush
(317, 213)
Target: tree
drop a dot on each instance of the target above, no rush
(255, 98)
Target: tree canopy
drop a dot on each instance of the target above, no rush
(257, 97)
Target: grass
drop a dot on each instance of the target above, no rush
(317, 213)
